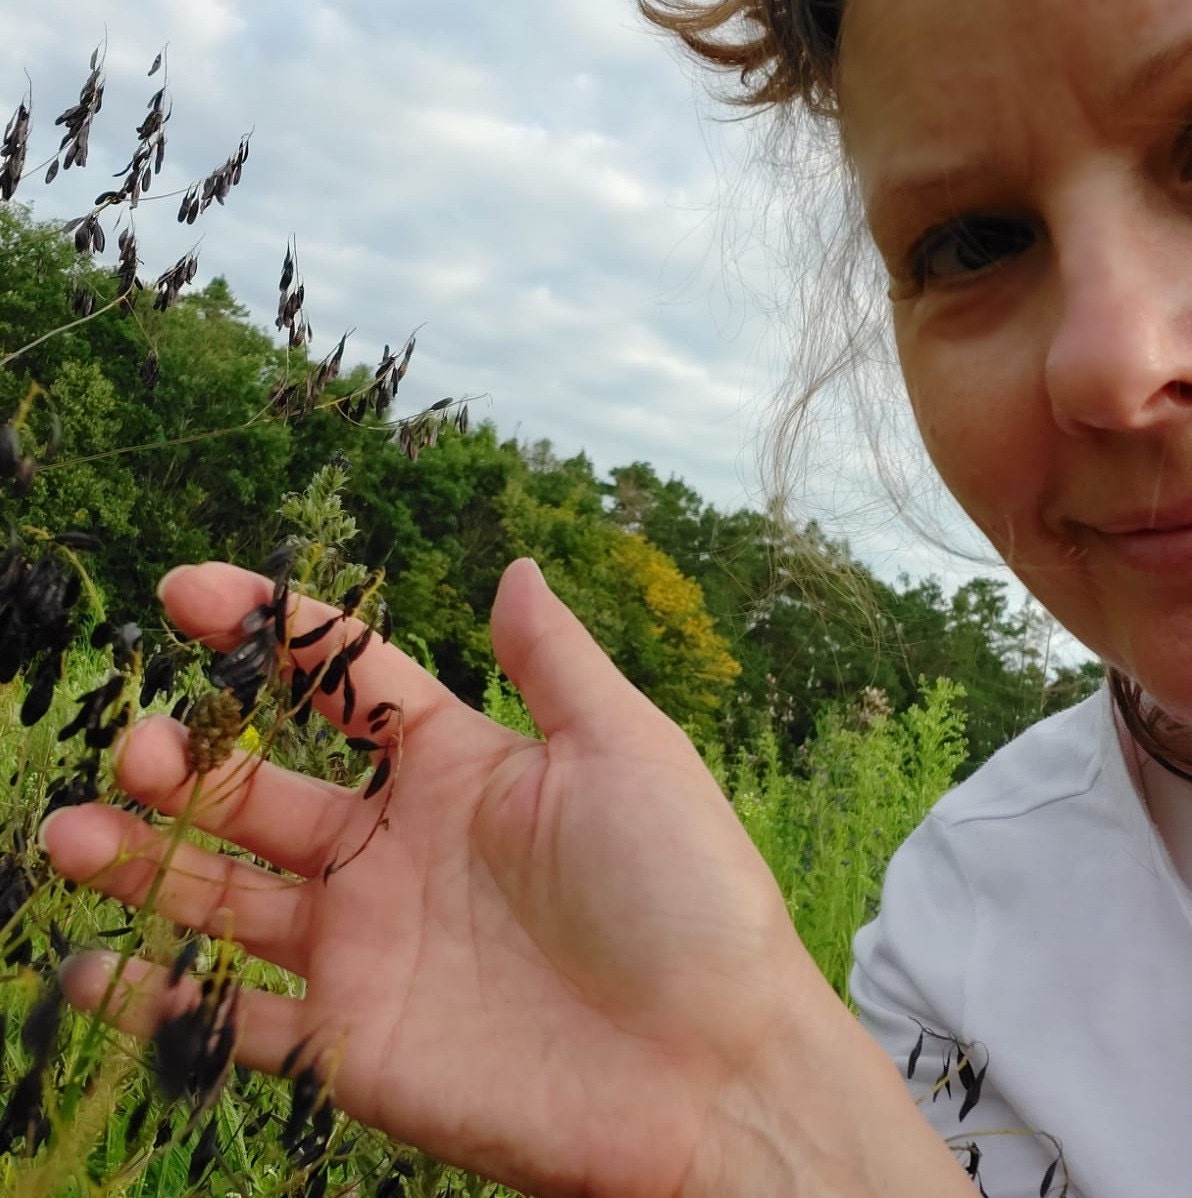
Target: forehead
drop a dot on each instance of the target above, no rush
(928, 84)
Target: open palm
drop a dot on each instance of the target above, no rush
(549, 963)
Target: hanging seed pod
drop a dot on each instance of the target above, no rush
(379, 778)
(183, 963)
(913, 1060)
(41, 690)
(158, 677)
(203, 1155)
(40, 1029)
(13, 150)
(972, 1094)
(10, 451)
(136, 1120)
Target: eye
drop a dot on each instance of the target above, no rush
(969, 246)
(1183, 155)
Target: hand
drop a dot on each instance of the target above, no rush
(560, 964)
(548, 966)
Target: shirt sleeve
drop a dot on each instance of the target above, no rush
(908, 983)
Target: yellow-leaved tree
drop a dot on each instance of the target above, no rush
(684, 664)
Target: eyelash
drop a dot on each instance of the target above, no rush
(986, 240)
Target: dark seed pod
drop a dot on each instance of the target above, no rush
(306, 1094)
(183, 963)
(40, 1028)
(203, 1154)
(914, 1057)
(972, 1095)
(74, 539)
(379, 778)
(964, 1071)
(381, 710)
(10, 450)
(71, 792)
(1048, 1177)
(164, 1133)
(314, 635)
(258, 618)
(158, 677)
(352, 599)
(362, 744)
(349, 697)
(973, 1164)
(357, 646)
(58, 942)
(248, 662)
(316, 1185)
(334, 674)
(280, 561)
(300, 686)
(41, 690)
(944, 1081)
(291, 1058)
(178, 1044)
(24, 1116)
(136, 1120)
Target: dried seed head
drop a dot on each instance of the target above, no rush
(215, 726)
(13, 149)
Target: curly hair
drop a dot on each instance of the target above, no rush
(782, 50)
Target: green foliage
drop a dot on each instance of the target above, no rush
(503, 704)
(323, 530)
(827, 832)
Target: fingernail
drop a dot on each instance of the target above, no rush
(161, 586)
(79, 964)
(41, 829)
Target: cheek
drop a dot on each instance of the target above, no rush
(980, 422)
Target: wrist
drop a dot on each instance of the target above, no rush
(821, 1112)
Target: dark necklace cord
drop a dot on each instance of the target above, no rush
(1145, 727)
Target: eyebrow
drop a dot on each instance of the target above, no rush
(922, 185)
(1151, 73)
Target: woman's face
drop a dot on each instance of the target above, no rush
(1026, 167)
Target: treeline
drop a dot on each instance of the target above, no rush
(155, 431)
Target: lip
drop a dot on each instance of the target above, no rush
(1155, 541)
(1150, 521)
(1165, 550)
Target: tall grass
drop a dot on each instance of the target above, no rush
(828, 831)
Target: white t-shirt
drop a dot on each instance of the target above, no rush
(1037, 915)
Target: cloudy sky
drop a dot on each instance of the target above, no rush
(543, 187)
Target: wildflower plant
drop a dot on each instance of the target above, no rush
(83, 1108)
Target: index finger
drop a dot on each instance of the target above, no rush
(210, 602)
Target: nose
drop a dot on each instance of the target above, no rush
(1120, 355)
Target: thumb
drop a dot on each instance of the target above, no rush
(568, 682)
